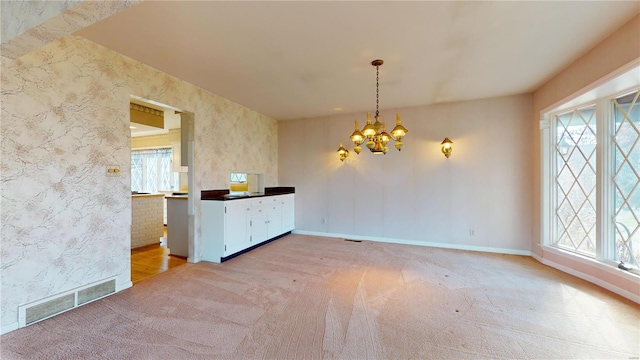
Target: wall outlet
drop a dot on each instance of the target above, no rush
(322, 221)
(113, 170)
(472, 232)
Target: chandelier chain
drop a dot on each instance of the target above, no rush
(377, 91)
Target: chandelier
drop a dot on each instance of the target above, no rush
(375, 134)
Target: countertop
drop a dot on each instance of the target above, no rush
(223, 195)
(179, 197)
(145, 195)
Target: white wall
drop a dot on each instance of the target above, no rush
(417, 195)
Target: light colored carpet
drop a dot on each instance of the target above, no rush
(304, 297)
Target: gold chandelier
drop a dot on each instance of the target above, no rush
(375, 134)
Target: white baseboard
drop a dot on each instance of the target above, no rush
(16, 325)
(419, 243)
(592, 279)
(536, 256)
(8, 328)
(126, 285)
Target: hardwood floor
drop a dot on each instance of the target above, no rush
(151, 260)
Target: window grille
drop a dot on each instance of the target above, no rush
(575, 180)
(151, 170)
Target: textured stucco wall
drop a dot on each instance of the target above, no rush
(28, 25)
(65, 118)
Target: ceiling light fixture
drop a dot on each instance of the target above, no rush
(375, 134)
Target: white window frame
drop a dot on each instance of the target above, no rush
(605, 132)
(174, 181)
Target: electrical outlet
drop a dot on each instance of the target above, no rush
(472, 232)
(323, 221)
(113, 170)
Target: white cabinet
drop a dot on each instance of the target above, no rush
(225, 228)
(236, 220)
(288, 212)
(266, 218)
(274, 223)
(231, 226)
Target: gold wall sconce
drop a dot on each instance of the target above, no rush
(344, 153)
(446, 147)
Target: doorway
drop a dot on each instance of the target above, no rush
(161, 176)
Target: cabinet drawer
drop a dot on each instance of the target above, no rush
(262, 209)
(266, 200)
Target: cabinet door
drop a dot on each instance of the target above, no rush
(258, 228)
(274, 221)
(237, 235)
(288, 213)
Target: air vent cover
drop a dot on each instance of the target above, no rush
(56, 304)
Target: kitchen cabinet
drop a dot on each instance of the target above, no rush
(232, 226)
(266, 218)
(237, 234)
(177, 225)
(288, 212)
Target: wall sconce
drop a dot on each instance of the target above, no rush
(446, 147)
(344, 153)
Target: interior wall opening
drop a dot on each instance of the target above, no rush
(161, 201)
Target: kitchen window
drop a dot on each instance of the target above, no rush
(151, 171)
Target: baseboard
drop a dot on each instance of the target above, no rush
(8, 328)
(592, 279)
(536, 256)
(418, 243)
(16, 325)
(126, 285)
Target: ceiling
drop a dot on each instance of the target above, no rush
(292, 60)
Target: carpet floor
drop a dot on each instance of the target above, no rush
(306, 297)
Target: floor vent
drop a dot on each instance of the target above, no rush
(97, 291)
(46, 309)
(352, 240)
(54, 305)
